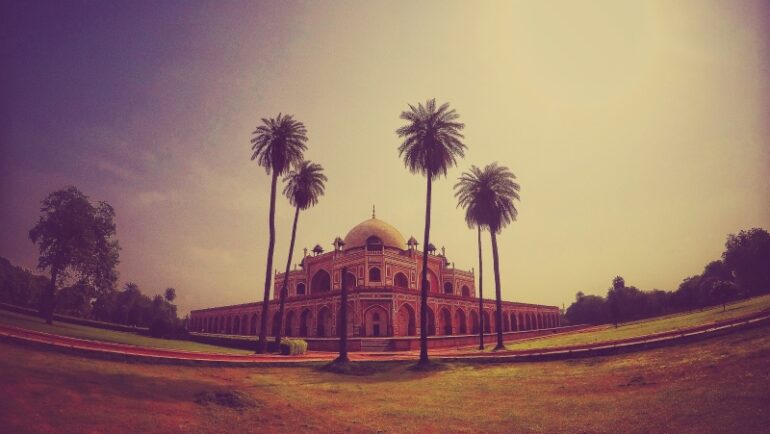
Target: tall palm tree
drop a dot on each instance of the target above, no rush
(488, 198)
(304, 186)
(468, 187)
(277, 144)
(432, 143)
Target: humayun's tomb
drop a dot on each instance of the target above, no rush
(383, 283)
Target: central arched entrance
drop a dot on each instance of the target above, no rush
(376, 322)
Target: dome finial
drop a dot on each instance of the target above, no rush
(373, 212)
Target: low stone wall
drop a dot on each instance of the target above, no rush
(385, 343)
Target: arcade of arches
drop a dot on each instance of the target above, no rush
(383, 281)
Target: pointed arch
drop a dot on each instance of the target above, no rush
(376, 321)
(444, 321)
(400, 281)
(304, 322)
(289, 326)
(406, 321)
(324, 323)
(460, 324)
(474, 317)
(321, 282)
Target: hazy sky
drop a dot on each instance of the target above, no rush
(639, 131)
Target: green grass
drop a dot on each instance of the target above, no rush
(85, 332)
(716, 385)
(647, 326)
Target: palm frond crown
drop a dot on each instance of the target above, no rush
(278, 143)
(488, 196)
(432, 139)
(304, 184)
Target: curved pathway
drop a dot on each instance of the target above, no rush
(148, 354)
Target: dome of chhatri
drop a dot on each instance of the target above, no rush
(389, 235)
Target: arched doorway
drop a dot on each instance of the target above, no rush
(487, 321)
(466, 291)
(448, 289)
(506, 322)
(300, 288)
(289, 328)
(304, 322)
(406, 321)
(376, 322)
(400, 281)
(375, 275)
(350, 280)
(474, 322)
(324, 323)
(444, 321)
(254, 324)
(351, 320)
(514, 323)
(275, 329)
(321, 282)
(228, 326)
(431, 323)
(459, 325)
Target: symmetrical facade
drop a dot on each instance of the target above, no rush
(383, 281)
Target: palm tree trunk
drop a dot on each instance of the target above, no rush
(343, 329)
(424, 282)
(262, 343)
(481, 295)
(498, 297)
(50, 299)
(284, 289)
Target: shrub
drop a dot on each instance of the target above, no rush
(291, 347)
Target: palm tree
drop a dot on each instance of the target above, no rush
(432, 143)
(304, 185)
(468, 187)
(488, 198)
(277, 144)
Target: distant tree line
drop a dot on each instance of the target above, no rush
(742, 272)
(78, 247)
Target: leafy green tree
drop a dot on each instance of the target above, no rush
(304, 187)
(76, 243)
(432, 143)
(587, 309)
(747, 256)
(277, 144)
(488, 196)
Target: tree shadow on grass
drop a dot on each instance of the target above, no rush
(381, 371)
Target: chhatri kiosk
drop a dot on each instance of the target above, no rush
(383, 282)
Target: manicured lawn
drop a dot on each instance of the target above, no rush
(647, 326)
(716, 385)
(85, 332)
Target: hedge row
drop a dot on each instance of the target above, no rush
(288, 346)
(75, 320)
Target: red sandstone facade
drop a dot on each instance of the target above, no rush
(383, 282)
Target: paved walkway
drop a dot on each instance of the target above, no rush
(148, 354)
